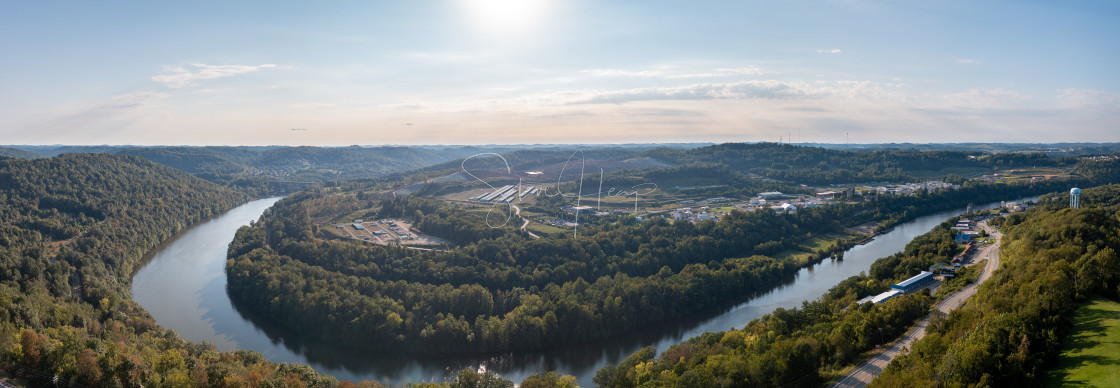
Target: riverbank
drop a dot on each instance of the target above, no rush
(864, 373)
(230, 328)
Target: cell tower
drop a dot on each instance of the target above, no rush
(1075, 198)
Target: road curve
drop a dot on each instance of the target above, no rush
(517, 211)
(863, 375)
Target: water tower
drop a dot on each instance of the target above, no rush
(1075, 198)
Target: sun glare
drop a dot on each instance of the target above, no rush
(506, 17)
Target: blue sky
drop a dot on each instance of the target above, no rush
(551, 71)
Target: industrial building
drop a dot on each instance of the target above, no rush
(578, 210)
(915, 283)
(530, 191)
(880, 298)
(904, 287)
(507, 193)
(944, 269)
(885, 296)
(496, 194)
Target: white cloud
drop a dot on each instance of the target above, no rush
(311, 105)
(967, 61)
(442, 57)
(624, 73)
(671, 73)
(97, 118)
(120, 104)
(832, 51)
(749, 90)
(985, 98)
(179, 76)
(768, 90)
(1086, 97)
(758, 90)
(134, 99)
(751, 70)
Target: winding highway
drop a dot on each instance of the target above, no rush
(870, 369)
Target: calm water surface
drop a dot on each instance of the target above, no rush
(184, 287)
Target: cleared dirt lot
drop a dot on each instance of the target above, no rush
(387, 231)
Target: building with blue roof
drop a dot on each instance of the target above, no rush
(915, 283)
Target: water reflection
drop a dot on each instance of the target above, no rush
(184, 288)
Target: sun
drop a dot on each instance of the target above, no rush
(506, 17)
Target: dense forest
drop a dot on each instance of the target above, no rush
(73, 229)
(795, 347)
(258, 171)
(262, 170)
(1052, 149)
(17, 153)
(749, 168)
(1054, 258)
(501, 290)
(821, 166)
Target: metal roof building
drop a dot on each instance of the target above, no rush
(886, 296)
(495, 193)
(915, 283)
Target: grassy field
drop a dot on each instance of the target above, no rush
(806, 250)
(1029, 172)
(1091, 355)
(544, 229)
(941, 173)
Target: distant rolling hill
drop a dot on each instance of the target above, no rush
(18, 153)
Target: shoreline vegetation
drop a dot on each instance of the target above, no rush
(1012, 333)
(1009, 335)
(76, 226)
(500, 290)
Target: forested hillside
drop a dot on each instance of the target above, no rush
(262, 170)
(501, 290)
(795, 347)
(812, 165)
(1054, 258)
(73, 229)
(17, 153)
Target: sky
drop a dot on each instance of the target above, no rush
(558, 71)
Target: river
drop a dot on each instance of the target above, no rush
(183, 286)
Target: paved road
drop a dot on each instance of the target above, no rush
(863, 375)
(526, 223)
